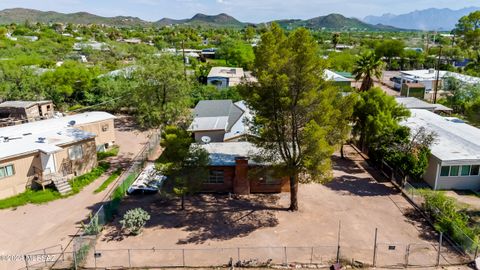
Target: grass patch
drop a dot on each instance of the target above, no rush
(48, 195)
(109, 180)
(118, 194)
(78, 183)
(110, 153)
(30, 196)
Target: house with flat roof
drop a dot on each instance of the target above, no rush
(223, 77)
(338, 79)
(455, 155)
(51, 151)
(428, 77)
(415, 103)
(220, 121)
(233, 168)
(16, 110)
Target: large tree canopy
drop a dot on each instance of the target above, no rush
(298, 114)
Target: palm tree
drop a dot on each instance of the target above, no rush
(367, 67)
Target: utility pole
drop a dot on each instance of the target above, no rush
(437, 77)
(184, 60)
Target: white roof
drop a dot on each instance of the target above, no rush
(54, 124)
(430, 74)
(332, 76)
(456, 141)
(209, 123)
(240, 127)
(45, 141)
(224, 154)
(234, 75)
(415, 103)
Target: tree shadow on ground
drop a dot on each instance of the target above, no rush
(126, 123)
(352, 185)
(345, 165)
(207, 217)
(414, 217)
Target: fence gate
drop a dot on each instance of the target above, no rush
(422, 254)
(390, 255)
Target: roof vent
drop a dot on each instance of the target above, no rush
(71, 123)
(431, 71)
(41, 139)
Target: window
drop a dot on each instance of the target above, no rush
(454, 170)
(6, 171)
(475, 170)
(215, 177)
(445, 171)
(465, 170)
(75, 152)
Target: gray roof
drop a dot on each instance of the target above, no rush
(21, 103)
(456, 142)
(215, 114)
(415, 103)
(224, 154)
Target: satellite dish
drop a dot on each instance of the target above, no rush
(72, 123)
(206, 139)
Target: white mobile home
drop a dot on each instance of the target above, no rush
(455, 160)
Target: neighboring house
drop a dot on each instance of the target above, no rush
(413, 90)
(233, 169)
(427, 78)
(92, 44)
(52, 151)
(338, 79)
(415, 103)
(220, 121)
(455, 159)
(223, 77)
(26, 110)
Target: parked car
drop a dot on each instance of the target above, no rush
(150, 181)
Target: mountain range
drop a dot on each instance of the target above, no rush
(428, 19)
(330, 22)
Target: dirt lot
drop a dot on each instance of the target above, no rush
(33, 227)
(219, 222)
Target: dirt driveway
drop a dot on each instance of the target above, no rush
(33, 227)
(221, 223)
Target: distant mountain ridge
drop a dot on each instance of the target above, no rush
(428, 19)
(336, 22)
(20, 15)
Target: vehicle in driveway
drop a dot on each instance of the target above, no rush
(150, 181)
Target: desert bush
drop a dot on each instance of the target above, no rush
(134, 220)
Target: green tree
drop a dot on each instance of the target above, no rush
(184, 163)
(367, 67)
(161, 92)
(297, 114)
(375, 115)
(469, 28)
(335, 40)
(249, 33)
(390, 49)
(237, 53)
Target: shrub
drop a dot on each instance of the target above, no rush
(110, 153)
(118, 194)
(93, 227)
(134, 220)
(448, 218)
(30, 196)
(78, 183)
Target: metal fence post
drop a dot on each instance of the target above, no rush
(311, 256)
(476, 251)
(94, 257)
(129, 259)
(183, 257)
(45, 256)
(285, 254)
(26, 261)
(338, 241)
(238, 254)
(439, 248)
(407, 254)
(74, 255)
(375, 248)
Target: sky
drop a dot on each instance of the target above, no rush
(244, 10)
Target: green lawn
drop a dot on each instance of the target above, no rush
(109, 180)
(48, 195)
(110, 153)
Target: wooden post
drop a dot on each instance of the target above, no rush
(338, 241)
(375, 248)
(439, 248)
